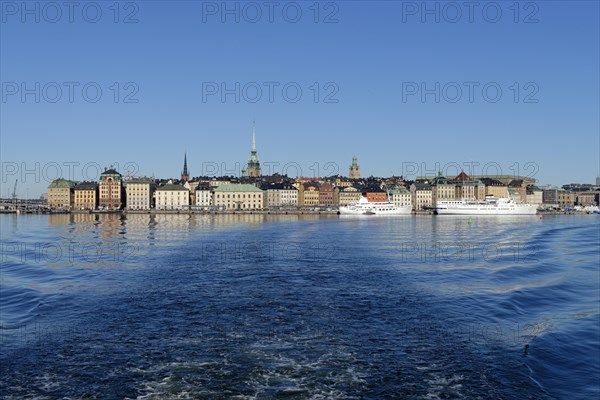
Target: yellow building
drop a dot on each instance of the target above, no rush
(566, 198)
(238, 197)
(442, 189)
(349, 195)
(311, 196)
(421, 196)
(60, 194)
(85, 196)
(494, 187)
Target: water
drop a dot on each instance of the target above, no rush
(296, 307)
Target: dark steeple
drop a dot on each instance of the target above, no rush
(185, 176)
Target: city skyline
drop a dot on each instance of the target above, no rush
(176, 90)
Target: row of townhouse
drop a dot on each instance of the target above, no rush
(113, 192)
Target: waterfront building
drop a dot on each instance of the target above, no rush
(533, 195)
(253, 168)
(550, 196)
(110, 189)
(349, 195)
(139, 193)
(311, 195)
(566, 198)
(280, 195)
(442, 188)
(203, 196)
(238, 197)
(60, 194)
(85, 196)
(172, 197)
(354, 171)
(519, 189)
(401, 196)
(374, 193)
(421, 196)
(328, 195)
(467, 188)
(494, 187)
(588, 198)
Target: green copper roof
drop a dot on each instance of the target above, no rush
(237, 188)
(61, 183)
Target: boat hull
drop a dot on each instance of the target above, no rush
(530, 210)
(353, 211)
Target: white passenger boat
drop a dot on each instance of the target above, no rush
(489, 206)
(365, 207)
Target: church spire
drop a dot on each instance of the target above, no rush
(253, 169)
(185, 176)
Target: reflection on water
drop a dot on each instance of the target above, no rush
(267, 306)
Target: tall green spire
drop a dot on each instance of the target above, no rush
(253, 169)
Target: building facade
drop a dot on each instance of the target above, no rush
(400, 196)
(238, 197)
(550, 197)
(349, 195)
(421, 196)
(442, 189)
(374, 194)
(280, 195)
(139, 193)
(328, 195)
(172, 197)
(533, 195)
(203, 195)
(110, 189)
(566, 199)
(85, 196)
(60, 194)
(311, 196)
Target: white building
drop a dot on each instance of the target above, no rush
(139, 193)
(203, 195)
(172, 197)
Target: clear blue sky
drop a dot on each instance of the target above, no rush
(371, 61)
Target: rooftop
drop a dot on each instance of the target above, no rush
(241, 187)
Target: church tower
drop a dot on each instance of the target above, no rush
(185, 176)
(354, 172)
(253, 169)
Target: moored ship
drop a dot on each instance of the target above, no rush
(489, 206)
(365, 207)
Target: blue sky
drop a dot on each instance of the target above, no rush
(162, 73)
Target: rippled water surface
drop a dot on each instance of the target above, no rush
(296, 307)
